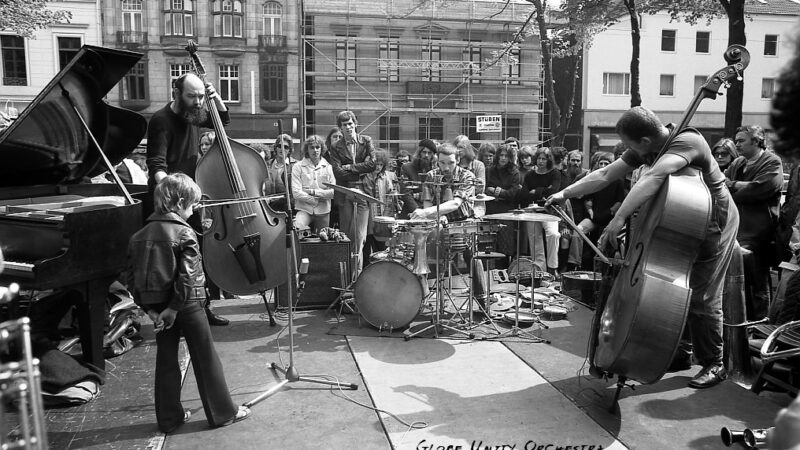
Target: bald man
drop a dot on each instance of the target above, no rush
(173, 144)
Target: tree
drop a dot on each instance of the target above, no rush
(23, 17)
(578, 21)
(636, 37)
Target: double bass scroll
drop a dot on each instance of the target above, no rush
(245, 233)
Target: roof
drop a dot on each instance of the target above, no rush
(776, 7)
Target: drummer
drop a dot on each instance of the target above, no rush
(458, 186)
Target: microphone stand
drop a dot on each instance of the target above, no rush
(291, 374)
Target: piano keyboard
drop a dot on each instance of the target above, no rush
(17, 266)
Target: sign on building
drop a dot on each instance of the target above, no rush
(488, 124)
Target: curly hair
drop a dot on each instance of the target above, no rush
(786, 108)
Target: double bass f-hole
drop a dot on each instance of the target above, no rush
(639, 250)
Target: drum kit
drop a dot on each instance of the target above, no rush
(391, 291)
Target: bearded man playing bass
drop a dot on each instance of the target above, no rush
(644, 135)
(173, 144)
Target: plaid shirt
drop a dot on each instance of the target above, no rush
(464, 189)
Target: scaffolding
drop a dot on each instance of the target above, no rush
(358, 55)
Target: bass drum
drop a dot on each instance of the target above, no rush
(388, 295)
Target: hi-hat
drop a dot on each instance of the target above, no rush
(481, 198)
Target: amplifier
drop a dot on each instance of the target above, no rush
(324, 259)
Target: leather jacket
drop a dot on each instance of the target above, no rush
(164, 263)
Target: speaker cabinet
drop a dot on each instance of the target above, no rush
(323, 275)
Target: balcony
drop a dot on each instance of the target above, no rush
(132, 39)
(271, 42)
(228, 47)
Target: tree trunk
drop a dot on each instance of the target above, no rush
(556, 130)
(733, 105)
(636, 95)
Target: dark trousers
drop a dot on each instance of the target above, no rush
(704, 322)
(191, 322)
(757, 278)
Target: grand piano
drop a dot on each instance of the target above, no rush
(56, 231)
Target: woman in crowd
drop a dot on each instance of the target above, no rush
(311, 197)
(486, 154)
(503, 183)
(334, 135)
(724, 152)
(379, 183)
(525, 160)
(206, 141)
(276, 169)
(537, 185)
(466, 159)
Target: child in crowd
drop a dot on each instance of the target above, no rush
(165, 276)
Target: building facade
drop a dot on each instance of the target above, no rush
(28, 64)
(411, 72)
(248, 50)
(676, 59)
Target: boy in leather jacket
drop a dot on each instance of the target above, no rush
(165, 276)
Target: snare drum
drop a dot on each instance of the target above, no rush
(388, 295)
(383, 228)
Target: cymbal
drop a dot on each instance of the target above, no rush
(481, 198)
(353, 193)
(522, 217)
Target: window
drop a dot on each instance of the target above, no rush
(699, 80)
(473, 54)
(134, 85)
(175, 71)
(432, 52)
(15, 70)
(228, 18)
(616, 83)
(389, 54)
(667, 85)
(511, 71)
(229, 82)
(67, 49)
(345, 59)
(431, 128)
(273, 83)
(771, 45)
(132, 15)
(390, 131)
(668, 40)
(271, 15)
(469, 129)
(511, 126)
(767, 88)
(703, 42)
(179, 17)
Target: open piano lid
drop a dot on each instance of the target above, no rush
(47, 144)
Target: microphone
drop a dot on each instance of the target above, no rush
(301, 273)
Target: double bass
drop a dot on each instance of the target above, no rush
(637, 330)
(245, 232)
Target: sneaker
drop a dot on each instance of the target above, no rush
(709, 376)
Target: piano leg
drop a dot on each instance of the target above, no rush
(91, 318)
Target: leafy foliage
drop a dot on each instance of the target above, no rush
(23, 17)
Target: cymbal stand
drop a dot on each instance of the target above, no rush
(471, 292)
(515, 329)
(436, 318)
(291, 373)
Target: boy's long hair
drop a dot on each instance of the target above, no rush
(172, 189)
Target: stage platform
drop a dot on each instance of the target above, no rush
(424, 393)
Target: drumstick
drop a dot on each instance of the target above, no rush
(569, 221)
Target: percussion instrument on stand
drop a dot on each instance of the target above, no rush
(518, 216)
(436, 322)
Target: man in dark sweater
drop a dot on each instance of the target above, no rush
(173, 142)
